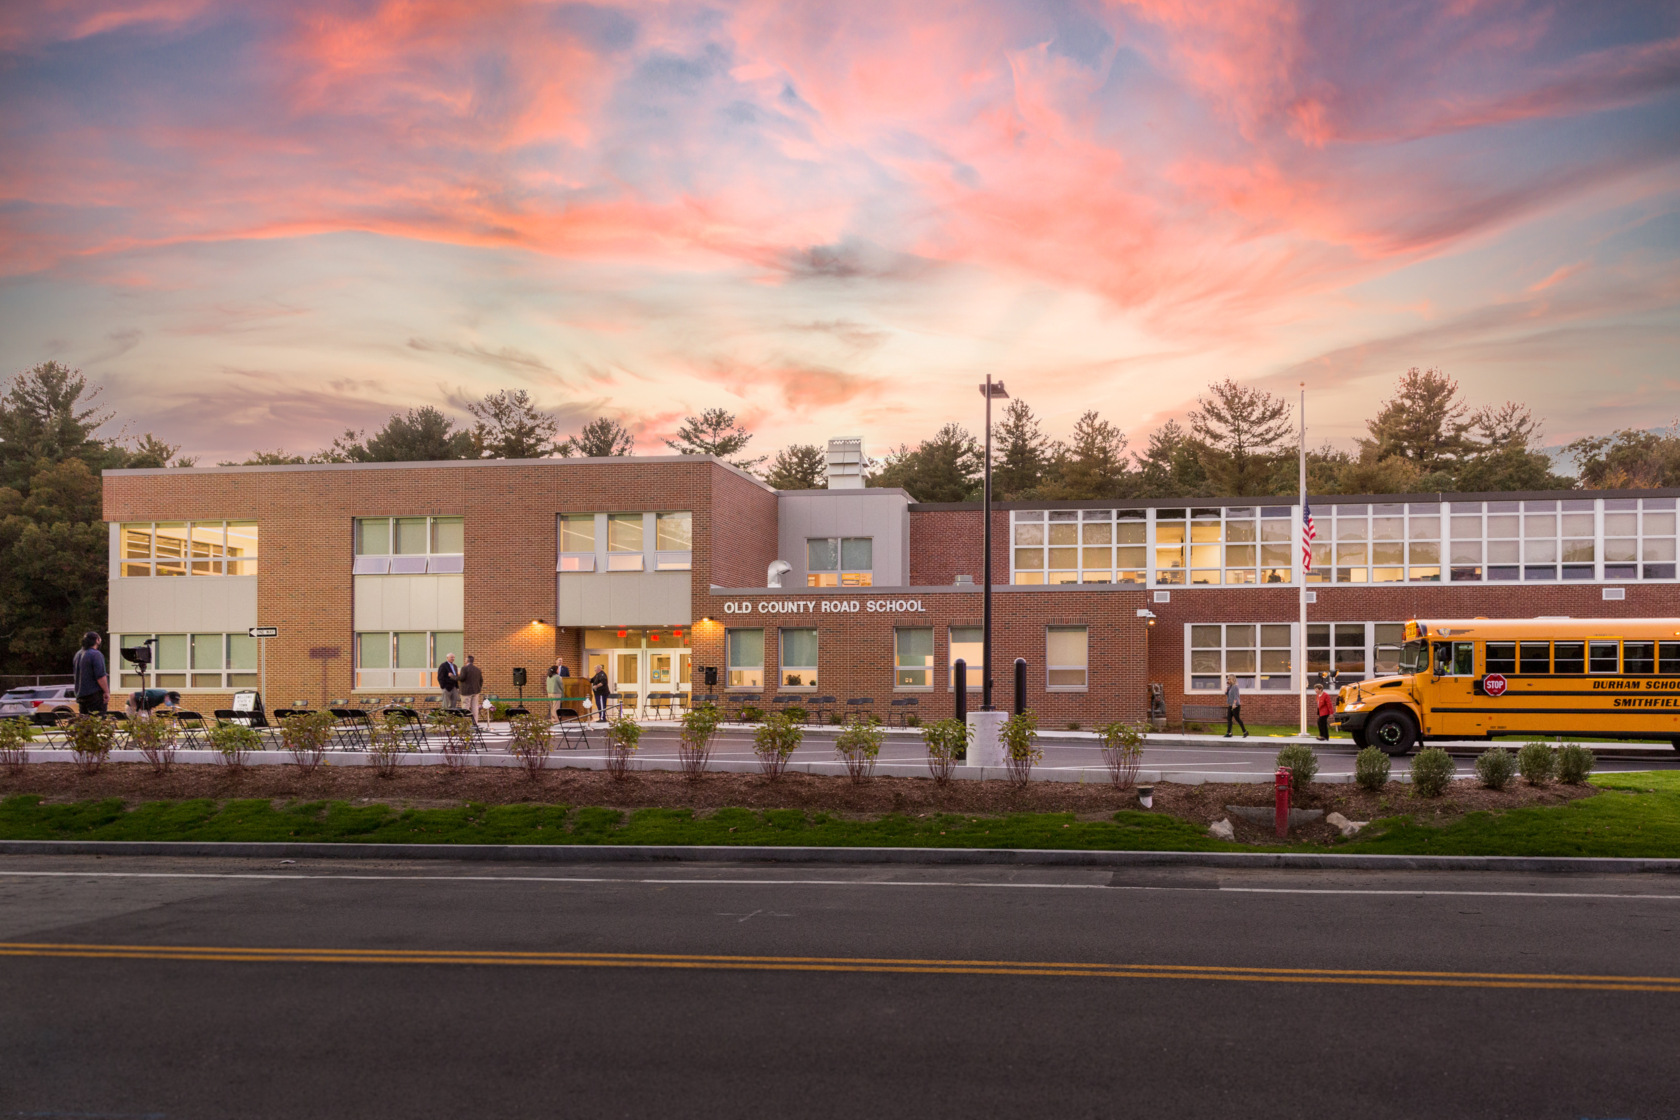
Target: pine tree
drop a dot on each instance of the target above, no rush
(417, 436)
(803, 466)
(1093, 464)
(511, 427)
(1424, 422)
(1020, 453)
(945, 468)
(1171, 467)
(714, 432)
(601, 438)
(1243, 431)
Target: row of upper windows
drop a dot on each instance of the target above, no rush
(187, 548)
(1455, 542)
(622, 539)
(1066, 658)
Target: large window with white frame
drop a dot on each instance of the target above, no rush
(744, 658)
(1079, 546)
(186, 548)
(1229, 545)
(409, 545)
(399, 659)
(205, 662)
(799, 659)
(1260, 655)
(1066, 658)
(913, 658)
(840, 562)
(626, 542)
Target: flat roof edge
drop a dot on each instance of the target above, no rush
(1313, 499)
(433, 464)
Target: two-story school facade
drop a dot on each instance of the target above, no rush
(658, 568)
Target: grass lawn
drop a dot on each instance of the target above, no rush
(1637, 815)
(26, 817)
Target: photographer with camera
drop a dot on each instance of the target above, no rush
(92, 679)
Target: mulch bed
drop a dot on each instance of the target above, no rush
(430, 787)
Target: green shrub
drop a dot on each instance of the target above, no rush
(531, 741)
(308, 734)
(859, 743)
(1574, 763)
(456, 736)
(1122, 748)
(91, 739)
(750, 714)
(1537, 762)
(154, 737)
(1302, 763)
(1371, 769)
(624, 738)
(499, 710)
(1019, 735)
(912, 720)
(1073, 726)
(774, 743)
(947, 741)
(234, 742)
(15, 735)
(694, 745)
(1496, 767)
(1432, 772)
(797, 714)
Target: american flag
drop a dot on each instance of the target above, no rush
(1308, 535)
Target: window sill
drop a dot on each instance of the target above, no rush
(1067, 688)
(913, 688)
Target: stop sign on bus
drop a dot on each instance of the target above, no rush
(1494, 684)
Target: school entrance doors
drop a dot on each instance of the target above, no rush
(641, 663)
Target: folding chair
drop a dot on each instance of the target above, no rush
(662, 700)
(574, 731)
(353, 730)
(860, 705)
(413, 730)
(903, 715)
(822, 710)
(195, 733)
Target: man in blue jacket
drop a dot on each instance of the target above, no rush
(93, 680)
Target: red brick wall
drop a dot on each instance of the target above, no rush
(945, 543)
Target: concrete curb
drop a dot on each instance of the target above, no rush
(632, 853)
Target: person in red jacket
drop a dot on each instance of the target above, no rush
(1326, 706)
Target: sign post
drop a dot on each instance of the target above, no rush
(262, 634)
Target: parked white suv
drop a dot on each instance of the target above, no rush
(38, 701)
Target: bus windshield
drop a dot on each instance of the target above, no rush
(1414, 657)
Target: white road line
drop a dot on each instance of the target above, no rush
(1401, 893)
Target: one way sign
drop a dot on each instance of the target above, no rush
(264, 631)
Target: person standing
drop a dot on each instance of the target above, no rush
(598, 682)
(1233, 706)
(472, 686)
(92, 679)
(1326, 706)
(449, 680)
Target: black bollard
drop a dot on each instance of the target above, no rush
(1020, 685)
(959, 685)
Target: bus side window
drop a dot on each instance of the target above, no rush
(1443, 658)
(1501, 657)
(1569, 657)
(1534, 659)
(1464, 659)
(1602, 657)
(1639, 659)
(1668, 658)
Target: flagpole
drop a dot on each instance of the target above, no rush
(1301, 567)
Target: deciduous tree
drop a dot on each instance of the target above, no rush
(1629, 459)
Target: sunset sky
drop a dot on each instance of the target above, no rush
(257, 224)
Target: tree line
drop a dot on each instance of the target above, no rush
(1239, 441)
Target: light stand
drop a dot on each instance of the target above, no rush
(990, 390)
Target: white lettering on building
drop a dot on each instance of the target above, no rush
(826, 606)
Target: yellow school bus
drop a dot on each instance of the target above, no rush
(1478, 678)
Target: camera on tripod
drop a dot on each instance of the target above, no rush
(140, 655)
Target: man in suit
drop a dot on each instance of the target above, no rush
(472, 686)
(449, 680)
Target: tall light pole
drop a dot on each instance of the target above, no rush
(991, 390)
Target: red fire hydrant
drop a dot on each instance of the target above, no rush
(1282, 802)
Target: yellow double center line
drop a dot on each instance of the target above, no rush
(250, 955)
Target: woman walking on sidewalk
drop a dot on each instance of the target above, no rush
(1233, 706)
(1326, 706)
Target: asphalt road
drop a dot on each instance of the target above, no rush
(153, 988)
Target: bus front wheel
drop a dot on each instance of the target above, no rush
(1394, 732)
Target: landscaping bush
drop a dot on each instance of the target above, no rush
(624, 738)
(1496, 767)
(1537, 762)
(91, 740)
(1122, 748)
(1574, 763)
(1020, 750)
(307, 736)
(1302, 763)
(694, 744)
(774, 743)
(1073, 726)
(235, 742)
(912, 720)
(455, 734)
(750, 714)
(15, 735)
(1432, 772)
(797, 714)
(154, 737)
(947, 742)
(1371, 768)
(532, 740)
(387, 742)
(859, 743)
